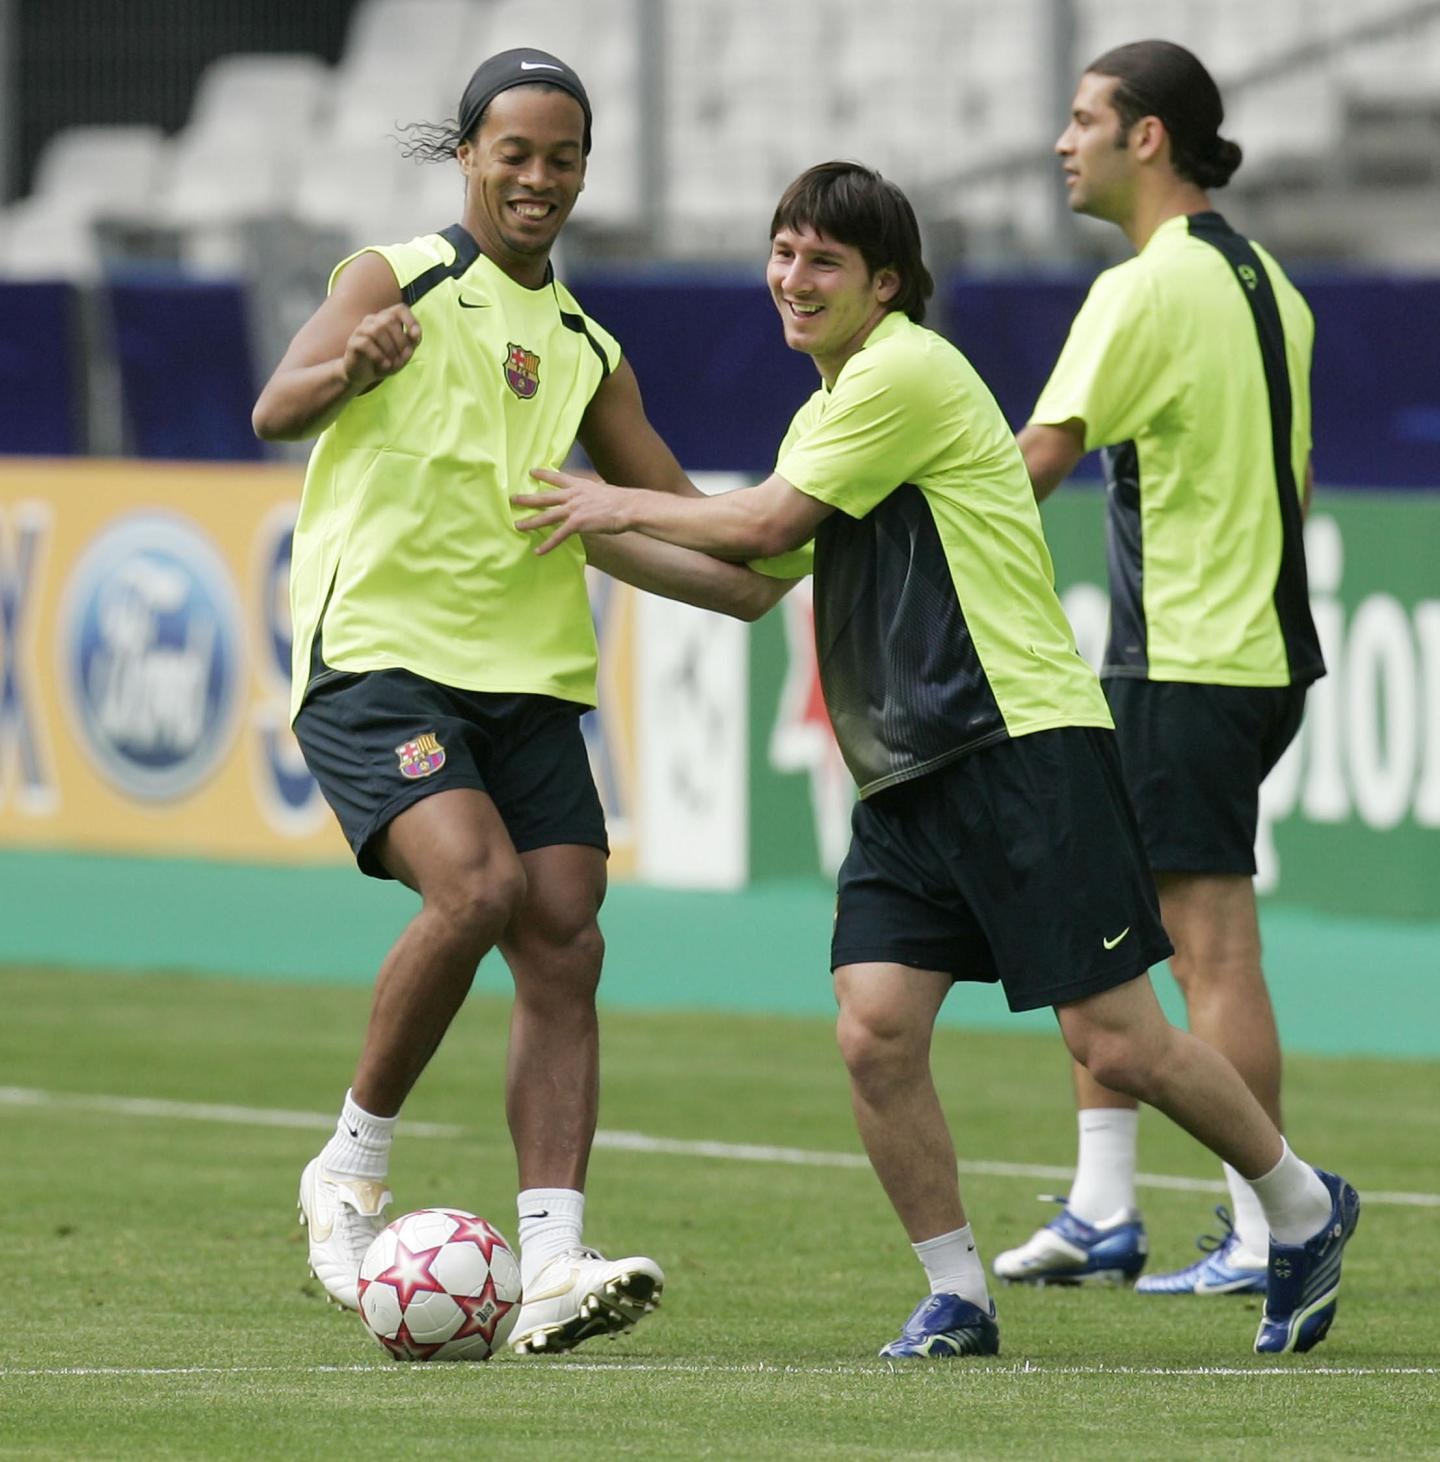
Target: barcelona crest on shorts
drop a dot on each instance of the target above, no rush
(522, 371)
(421, 757)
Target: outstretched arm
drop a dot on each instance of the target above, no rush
(1050, 454)
(618, 438)
(686, 576)
(754, 522)
(362, 333)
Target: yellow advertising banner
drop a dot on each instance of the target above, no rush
(145, 667)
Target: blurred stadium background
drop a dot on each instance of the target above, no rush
(178, 178)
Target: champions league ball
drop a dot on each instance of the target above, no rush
(440, 1284)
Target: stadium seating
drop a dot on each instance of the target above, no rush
(276, 98)
(705, 109)
(48, 237)
(101, 170)
(363, 190)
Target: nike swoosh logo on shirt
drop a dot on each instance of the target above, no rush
(473, 304)
(1111, 943)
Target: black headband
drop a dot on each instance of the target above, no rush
(521, 67)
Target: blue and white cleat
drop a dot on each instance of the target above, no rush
(1226, 1268)
(1304, 1279)
(1070, 1251)
(944, 1326)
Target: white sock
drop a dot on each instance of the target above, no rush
(1297, 1204)
(551, 1220)
(360, 1147)
(953, 1267)
(1250, 1227)
(1104, 1163)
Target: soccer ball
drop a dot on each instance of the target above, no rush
(440, 1284)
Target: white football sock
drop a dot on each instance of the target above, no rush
(1250, 1227)
(953, 1267)
(1104, 1163)
(551, 1221)
(360, 1147)
(1297, 1204)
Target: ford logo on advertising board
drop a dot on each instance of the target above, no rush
(151, 638)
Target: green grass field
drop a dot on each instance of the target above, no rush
(157, 1304)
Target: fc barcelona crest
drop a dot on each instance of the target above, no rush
(522, 371)
(421, 757)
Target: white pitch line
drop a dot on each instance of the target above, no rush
(121, 1106)
(25, 1096)
(693, 1368)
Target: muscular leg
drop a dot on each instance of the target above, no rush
(451, 848)
(454, 851)
(887, 1017)
(552, 1083)
(1125, 1043)
(554, 949)
(1212, 922)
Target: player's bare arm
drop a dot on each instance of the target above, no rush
(682, 574)
(619, 440)
(1050, 453)
(754, 522)
(361, 334)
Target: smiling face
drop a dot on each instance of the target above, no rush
(524, 169)
(1097, 154)
(827, 297)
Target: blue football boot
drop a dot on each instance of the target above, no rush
(944, 1326)
(1225, 1268)
(1304, 1279)
(1070, 1251)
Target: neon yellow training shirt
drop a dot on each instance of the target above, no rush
(406, 554)
(937, 626)
(1191, 364)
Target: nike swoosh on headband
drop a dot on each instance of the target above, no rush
(538, 66)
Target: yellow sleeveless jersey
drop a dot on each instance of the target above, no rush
(405, 554)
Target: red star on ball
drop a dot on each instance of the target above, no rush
(483, 1312)
(404, 1346)
(469, 1229)
(409, 1273)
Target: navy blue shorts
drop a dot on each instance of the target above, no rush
(1020, 863)
(1194, 757)
(379, 741)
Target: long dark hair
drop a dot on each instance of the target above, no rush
(1161, 79)
(430, 141)
(854, 205)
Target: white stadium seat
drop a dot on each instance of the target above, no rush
(48, 238)
(278, 97)
(111, 171)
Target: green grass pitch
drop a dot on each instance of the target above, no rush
(157, 1305)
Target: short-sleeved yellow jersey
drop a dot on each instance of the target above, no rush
(937, 625)
(1190, 364)
(406, 553)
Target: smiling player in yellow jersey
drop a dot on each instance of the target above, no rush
(993, 839)
(1189, 364)
(441, 669)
